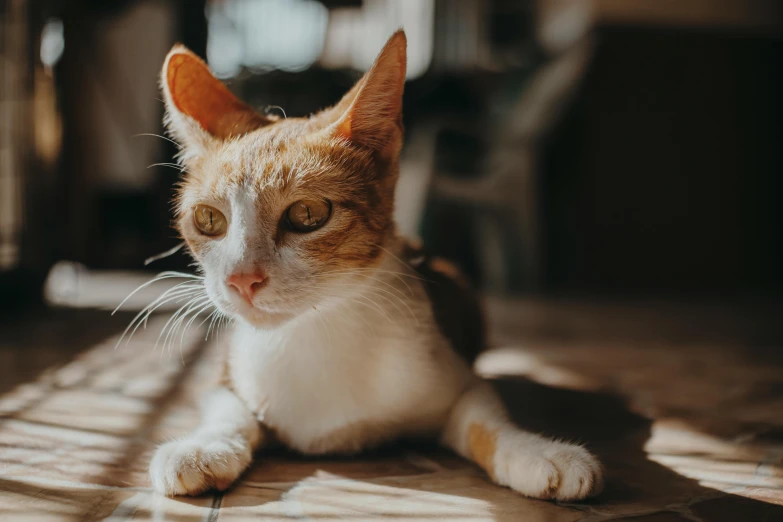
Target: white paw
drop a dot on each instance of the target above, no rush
(194, 465)
(560, 471)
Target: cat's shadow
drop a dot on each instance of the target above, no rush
(635, 485)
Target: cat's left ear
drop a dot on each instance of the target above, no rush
(199, 108)
(373, 114)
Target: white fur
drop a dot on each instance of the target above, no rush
(371, 368)
(533, 465)
(374, 359)
(214, 455)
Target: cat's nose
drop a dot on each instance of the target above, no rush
(247, 285)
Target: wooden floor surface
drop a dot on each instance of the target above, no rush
(684, 404)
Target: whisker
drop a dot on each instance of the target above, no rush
(174, 316)
(178, 289)
(214, 312)
(159, 277)
(194, 311)
(373, 269)
(354, 313)
(187, 326)
(169, 295)
(171, 251)
(194, 306)
(394, 256)
(323, 324)
(211, 325)
(379, 307)
(363, 273)
(172, 165)
(379, 280)
(148, 312)
(156, 136)
(178, 297)
(222, 324)
(374, 290)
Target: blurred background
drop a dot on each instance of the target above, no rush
(555, 147)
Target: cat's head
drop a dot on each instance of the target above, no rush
(285, 214)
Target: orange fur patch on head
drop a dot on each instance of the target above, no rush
(364, 201)
(285, 162)
(482, 443)
(199, 95)
(346, 155)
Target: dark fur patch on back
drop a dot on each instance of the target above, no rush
(455, 304)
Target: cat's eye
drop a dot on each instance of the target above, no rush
(209, 220)
(307, 215)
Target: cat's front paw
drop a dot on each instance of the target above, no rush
(559, 471)
(194, 465)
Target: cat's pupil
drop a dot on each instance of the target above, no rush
(209, 221)
(308, 215)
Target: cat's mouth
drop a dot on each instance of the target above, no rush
(260, 317)
(250, 311)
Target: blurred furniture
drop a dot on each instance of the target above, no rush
(641, 156)
(114, 178)
(14, 100)
(483, 56)
(29, 147)
(506, 195)
(663, 177)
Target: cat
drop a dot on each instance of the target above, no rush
(346, 337)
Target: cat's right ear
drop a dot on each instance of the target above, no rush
(200, 110)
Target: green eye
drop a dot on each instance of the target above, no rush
(307, 215)
(209, 220)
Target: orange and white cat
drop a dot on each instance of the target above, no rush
(339, 343)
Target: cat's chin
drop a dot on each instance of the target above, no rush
(262, 318)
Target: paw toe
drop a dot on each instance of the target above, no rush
(580, 473)
(223, 463)
(562, 472)
(533, 476)
(191, 467)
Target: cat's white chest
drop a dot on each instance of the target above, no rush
(314, 380)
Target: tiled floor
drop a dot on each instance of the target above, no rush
(683, 404)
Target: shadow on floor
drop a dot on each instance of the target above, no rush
(605, 424)
(636, 487)
(49, 338)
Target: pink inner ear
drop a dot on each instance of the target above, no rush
(198, 94)
(374, 118)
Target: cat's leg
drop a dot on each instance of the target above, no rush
(214, 455)
(479, 429)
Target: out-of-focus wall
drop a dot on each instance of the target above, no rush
(664, 175)
(108, 76)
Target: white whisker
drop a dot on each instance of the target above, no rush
(211, 325)
(172, 165)
(149, 310)
(186, 327)
(156, 136)
(159, 277)
(183, 309)
(169, 295)
(323, 324)
(374, 292)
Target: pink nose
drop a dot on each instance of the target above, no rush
(247, 284)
